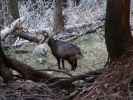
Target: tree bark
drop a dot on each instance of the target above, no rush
(14, 13)
(117, 29)
(113, 83)
(58, 17)
(13, 8)
(5, 72)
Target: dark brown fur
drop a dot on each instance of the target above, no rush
(65, 51)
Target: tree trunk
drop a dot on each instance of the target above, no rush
(7, 7)
(58, 17)
(113, 83)
(14, 12)
(5, 72)
(117, 29)
(13, 8)
(4, 13)
(9, 11)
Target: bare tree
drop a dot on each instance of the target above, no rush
(13, 8)
(58, 17)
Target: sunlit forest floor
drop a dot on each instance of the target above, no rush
(92, 47)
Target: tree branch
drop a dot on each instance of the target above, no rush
(27, 71)
(68, 82)
(8, 30)
(55, 70)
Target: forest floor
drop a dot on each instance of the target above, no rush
(92, 48)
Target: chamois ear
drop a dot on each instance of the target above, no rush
(45, 36)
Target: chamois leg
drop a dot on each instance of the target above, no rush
(73, 67)
(63, 65)
(58, 61)
(71, 63)
(75, 64)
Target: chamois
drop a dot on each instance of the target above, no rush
(64, 51)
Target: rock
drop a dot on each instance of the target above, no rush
(41, 50)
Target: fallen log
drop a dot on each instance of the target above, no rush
(14, 25)
(27, 36)
(68, 81)
(27, 72)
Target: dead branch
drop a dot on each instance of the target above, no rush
(27, 71)
(17, 29)
(68, 82)
(91, 30)
(27, 36)
(55, 70)
(8, 30)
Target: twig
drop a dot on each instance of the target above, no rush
(68, 82)
(74, 37)
(55, 70)
(8, 30)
